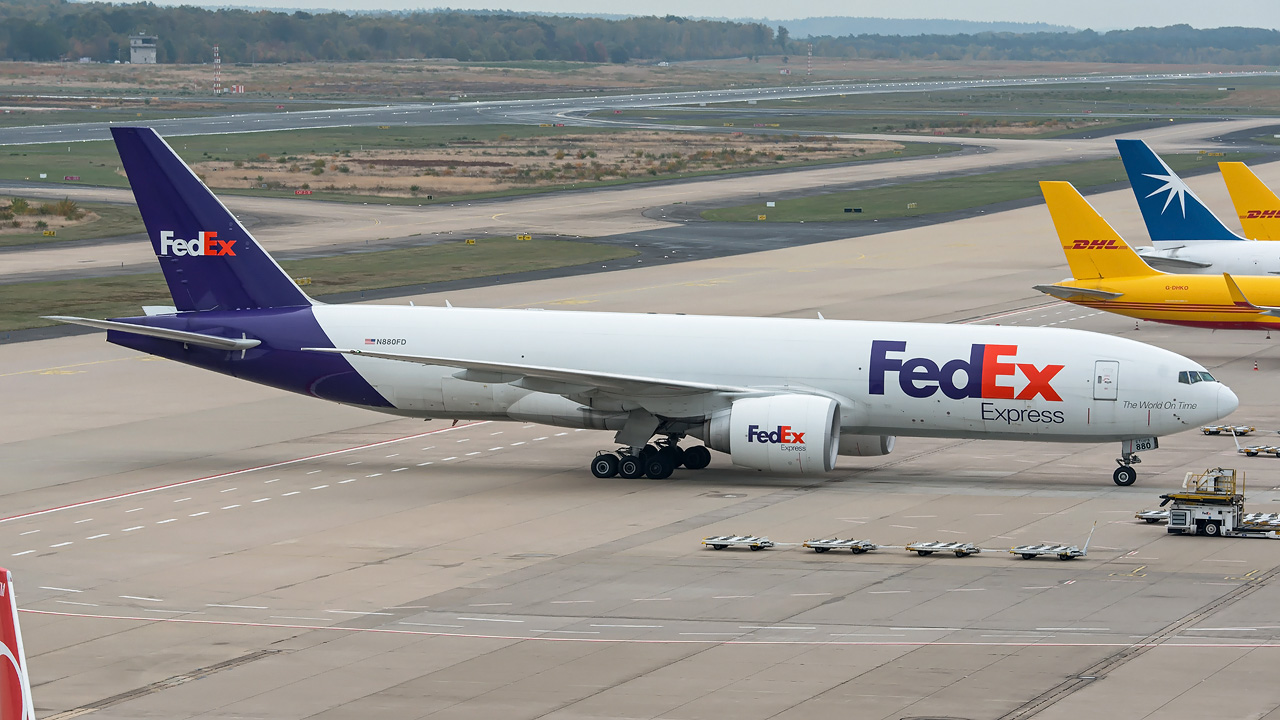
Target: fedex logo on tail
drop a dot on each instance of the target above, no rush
(207, 244)
(985, 374)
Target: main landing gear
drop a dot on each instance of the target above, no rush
(655, 461)
(1125, 475)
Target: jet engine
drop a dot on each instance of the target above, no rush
(796, 434)
(866, 445)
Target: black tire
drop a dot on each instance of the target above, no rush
(1125, 475)
(1065, 557)
(858, 550)
(657, 467)
(719, 547)
(604, 465)
(1212, 529)
(674, 455)
(961, 553)
(757, 547)
(1027, 556)
(648, 451)
(630, 467)
(925, 553)
(821, 549)
(1254, 454)
(1152, 521)
(697, 457)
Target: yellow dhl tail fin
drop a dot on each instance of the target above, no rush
(1094, 250)
(1256, 205)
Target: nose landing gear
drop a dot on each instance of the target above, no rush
(1125, 475)
(655, 461)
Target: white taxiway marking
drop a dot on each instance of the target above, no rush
(295, 617)
(24, 552)
(61, 544)
(357, 612)
(400, 469)
(473, 453)
(261, 500)
(82, 521)
(241, 607)
(202, 512)
(162, 522)
(295, 492)
(424, 464)
(319, 487)
(348, 480)
(136, 597)
(405, 622)
(374, 475)
(489, 605)
(773, 627)
(886, 592)
(227, 490)
(490, 620)
(570, 602)
(131, 529)
(133, 510)
(44, 587)
(95, 537)
(28, 532)
(230, 507)
(495, 448)
(628, 626)
(182, 499)
(648, 599)
(455, 457)
(72, 602)
(313, 472)
(730, 597)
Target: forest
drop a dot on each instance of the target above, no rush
(56, 30)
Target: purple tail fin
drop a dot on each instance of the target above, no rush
(209, 260)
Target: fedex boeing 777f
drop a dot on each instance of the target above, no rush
(780, 395)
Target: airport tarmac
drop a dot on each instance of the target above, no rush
(187, 545)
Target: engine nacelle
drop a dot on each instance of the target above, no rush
(796, 434)
(866, 445)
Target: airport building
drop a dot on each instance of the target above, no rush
(142, 49)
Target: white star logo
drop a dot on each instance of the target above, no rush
(1174, 186)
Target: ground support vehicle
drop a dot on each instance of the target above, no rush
(1064, 552)
(857, 546)
(720, 542)
(928, 548)
(1212, 503)
(1228, 429)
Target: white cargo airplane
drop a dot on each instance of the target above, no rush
(1187, 237)
(779, 395)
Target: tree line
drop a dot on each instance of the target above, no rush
(57, 29)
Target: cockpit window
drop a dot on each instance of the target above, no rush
(1191, 377)
(1206, 377)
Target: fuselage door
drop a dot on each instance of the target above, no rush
(1106, 379)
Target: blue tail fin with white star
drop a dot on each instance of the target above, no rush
(1172, 212)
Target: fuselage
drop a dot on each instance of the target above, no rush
(1191, 300)
(962, 381)
(1214, 257)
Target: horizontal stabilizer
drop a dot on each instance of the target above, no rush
(579, 380)
(191, 338)
(1172, 264)
(1066, 292)
(1237, 297)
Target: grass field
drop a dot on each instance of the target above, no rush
(22, 304)
(112, 220)
(936, 196)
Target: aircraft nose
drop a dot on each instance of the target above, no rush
(1227, 401)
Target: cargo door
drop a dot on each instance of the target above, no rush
(1106, 379)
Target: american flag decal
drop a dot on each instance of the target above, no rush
(370, 341)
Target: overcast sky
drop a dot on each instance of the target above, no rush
(1097, 14)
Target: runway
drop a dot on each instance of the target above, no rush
(546, 110)
(301, 226)
(188, 545)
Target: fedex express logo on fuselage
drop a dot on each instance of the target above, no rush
(986, 374)
(207, 244)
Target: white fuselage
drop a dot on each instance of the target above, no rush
(963, 381)
(1214, 257)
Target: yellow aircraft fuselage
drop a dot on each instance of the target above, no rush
(1203, 301)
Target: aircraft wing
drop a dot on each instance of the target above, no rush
(1239, 299)
(191, 338)
(1066, 292)
(560, 381)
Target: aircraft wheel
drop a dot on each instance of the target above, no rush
(674, 455)
(1125, 476)
(630, 467)
(697, 457)
(604, 465)
(657, 467)
(648, 451)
